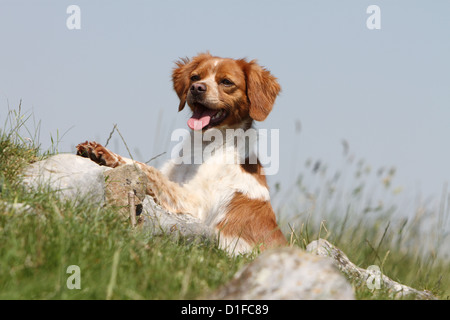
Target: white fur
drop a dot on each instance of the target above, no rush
(214, 182)
(234, 245)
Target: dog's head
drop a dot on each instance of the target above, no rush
(223, 92)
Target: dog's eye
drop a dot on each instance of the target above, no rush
(195, 77)
(227, 82)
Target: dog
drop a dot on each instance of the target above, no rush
(233, 198)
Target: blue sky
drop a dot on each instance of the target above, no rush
(386, 92)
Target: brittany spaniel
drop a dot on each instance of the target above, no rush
(230, 196)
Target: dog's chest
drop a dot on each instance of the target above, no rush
(216, 181)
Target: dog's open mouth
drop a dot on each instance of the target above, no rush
(204, 118)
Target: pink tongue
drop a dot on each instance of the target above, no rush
(200, 118)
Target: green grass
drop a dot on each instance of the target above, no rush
(117, 262)
(37, 249)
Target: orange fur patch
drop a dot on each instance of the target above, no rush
(253, 221)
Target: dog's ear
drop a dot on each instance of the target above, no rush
(181, 76)
(262, 90)
(180, 79)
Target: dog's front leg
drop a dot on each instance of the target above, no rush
(170, 195)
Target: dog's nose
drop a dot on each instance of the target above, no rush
(198, 88)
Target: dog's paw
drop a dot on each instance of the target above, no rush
(98, 153)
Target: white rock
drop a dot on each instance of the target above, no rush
(323, 248)
(287, 274)
(158, 221)
(71, 177)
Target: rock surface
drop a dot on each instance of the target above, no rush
(287, 273)
(71, 177)
(372, 277)
(158, 221)
(119, 182)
